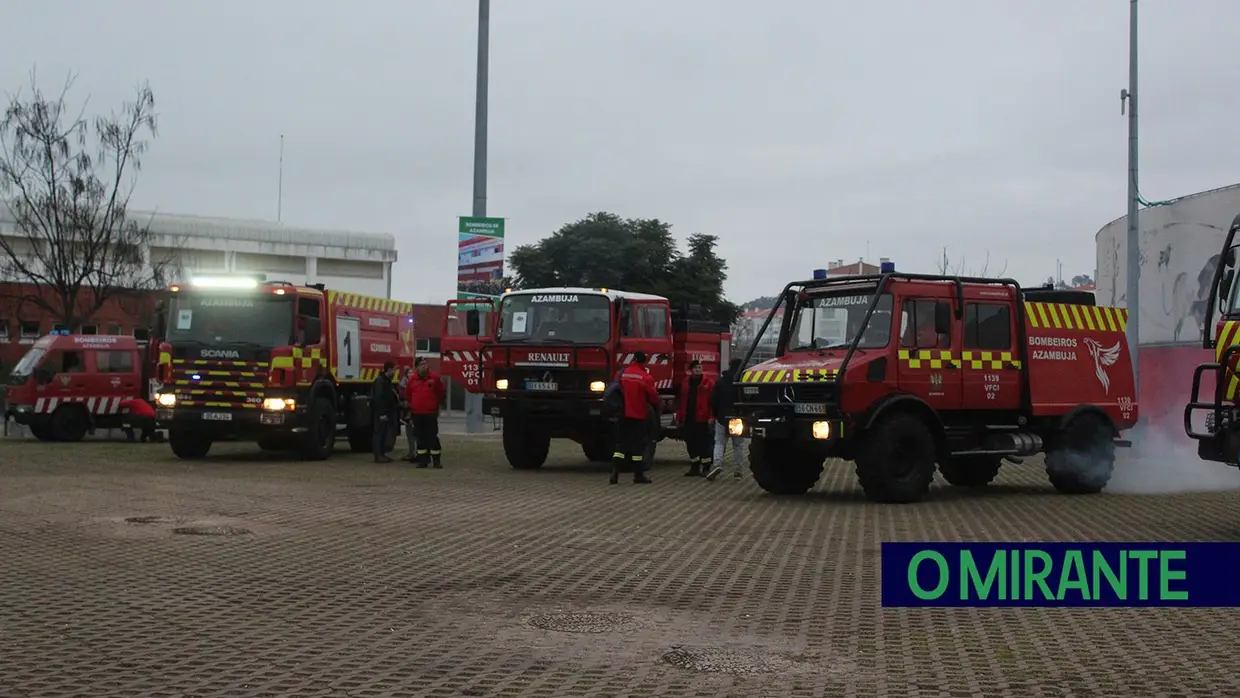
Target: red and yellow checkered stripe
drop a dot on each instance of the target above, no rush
(1228, 336)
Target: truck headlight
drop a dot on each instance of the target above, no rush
(501, 384)
(821, 430)
(736, 427)
(279, 404)
(166, 399)
(597, 386)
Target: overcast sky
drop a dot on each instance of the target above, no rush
(798, 131)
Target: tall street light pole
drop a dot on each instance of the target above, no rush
(1133, 275)
(475, 421)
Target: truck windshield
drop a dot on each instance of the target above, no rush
(556, 318)
(27, 365)
(256, 320)
(833, 320)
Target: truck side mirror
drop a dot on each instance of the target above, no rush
(314, 331)
(43, 376)
(473, 323)
(942, 318)
(1224, 286)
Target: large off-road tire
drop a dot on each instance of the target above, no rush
(319, 439)
(896, 459)
(784, 467)
(525, 449)
(1084, 462)
(189, 445)
(69, 423)
(598, 450)
(41, 432)
(970, 471)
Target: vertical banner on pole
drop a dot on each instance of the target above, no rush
(480, 258)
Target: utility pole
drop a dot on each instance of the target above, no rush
(475, 421)
(280, 185)
(1128, 98)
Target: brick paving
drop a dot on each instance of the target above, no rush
(125, 572)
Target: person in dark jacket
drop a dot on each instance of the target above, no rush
(722, 399)
(693, 414)
(632, 429)
(423, 393)
(384, 411)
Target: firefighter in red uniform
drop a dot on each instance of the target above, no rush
(423, 393)
(633, 430)
(141, 416)
(694, 417)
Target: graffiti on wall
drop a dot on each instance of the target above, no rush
(1180, 246)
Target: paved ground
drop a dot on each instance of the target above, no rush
(352, 579)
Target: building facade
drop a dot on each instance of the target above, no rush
(197, 246)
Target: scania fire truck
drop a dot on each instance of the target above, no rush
(287, 366)
(900, 372)
(542, 359)
(1218, 438)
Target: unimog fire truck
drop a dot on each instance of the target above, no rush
(1218, 439)
(284, 365)
(542, 359)
(900, 372)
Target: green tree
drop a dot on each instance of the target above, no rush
(632, 254)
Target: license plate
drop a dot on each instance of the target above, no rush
(217, 416)
(811, 408)
(541, 385)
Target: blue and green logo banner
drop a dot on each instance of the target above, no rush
(1061, 574)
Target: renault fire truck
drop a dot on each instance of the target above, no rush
(542, 358)
(902, 372)
(1218, 439)
(284, 365)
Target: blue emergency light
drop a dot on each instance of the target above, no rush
(887, 267)
(820, 274)
(60, 332)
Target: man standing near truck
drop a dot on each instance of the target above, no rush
(693, 414)
(423, 393)
(632, 430)
(384, 411)
(722, 400)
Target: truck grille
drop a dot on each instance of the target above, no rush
(811, 392)
(219, 383)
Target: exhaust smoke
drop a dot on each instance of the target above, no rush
(1163, 463)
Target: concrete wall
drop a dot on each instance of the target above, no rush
(1180, 244)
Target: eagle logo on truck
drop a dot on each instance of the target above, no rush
(1103, 357)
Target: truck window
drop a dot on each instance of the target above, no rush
(652, 320)
(114, 362)
(66, 362)
(917, 325)
(564, 318)
(987, 326)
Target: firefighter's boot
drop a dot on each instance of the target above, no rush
(436, 463)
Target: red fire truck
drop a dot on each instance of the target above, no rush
(1218, 440)
(542, 359)
(900, 372)
(69, 385)
(285, 365)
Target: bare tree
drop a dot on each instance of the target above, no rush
(66, 181)
(946, 267)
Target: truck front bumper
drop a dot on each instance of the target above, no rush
(222, 422)
(559, 407)
(781, 426)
